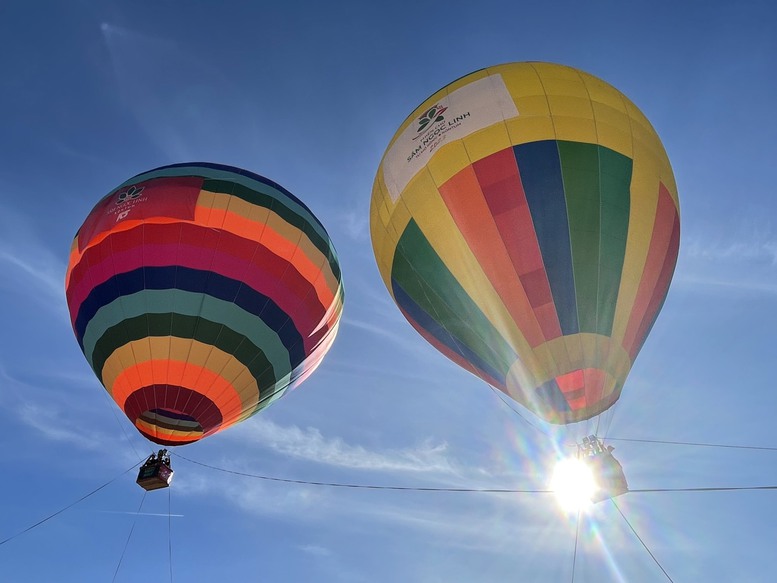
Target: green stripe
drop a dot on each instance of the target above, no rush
(180, 326)
(421, 273)
(597, 188)
(580, 173)
(615, 190)
(189, 304)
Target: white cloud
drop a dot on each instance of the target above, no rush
(30, 267)
(309, 444)
(356, 223)
(53, 425)
(755, 246)
(187, 106)
(315, 550)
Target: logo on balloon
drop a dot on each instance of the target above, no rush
(130, 194)
(432, 115)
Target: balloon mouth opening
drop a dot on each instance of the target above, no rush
(168, 427)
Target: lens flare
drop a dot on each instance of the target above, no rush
(574, 484)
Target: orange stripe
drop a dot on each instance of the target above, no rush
(465, 201)
(272, 240)
(191, 376)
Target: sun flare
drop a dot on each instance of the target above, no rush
(574, 484)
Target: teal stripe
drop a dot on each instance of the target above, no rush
(580, 173)
(179, 326)
(189, 304)
(615, 189)
(423, 276)
(597, 184)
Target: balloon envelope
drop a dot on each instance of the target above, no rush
(199, 294)
(525, 220)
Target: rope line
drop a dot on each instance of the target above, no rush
(58, 512)
(526, 420)
(652, 556)
(447, 489)
(169, 534)
(698, 444)
(129, 536)
(366, 486)
(574, 554)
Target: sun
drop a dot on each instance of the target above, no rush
(574, 484)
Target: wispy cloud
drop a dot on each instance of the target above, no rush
(379, 330)
(755, 246)
(52, 415)
(53, 425)
(309, 444)
(742, 259)
(30, 267)
(356, 224)
(315, 550)
(187, 106)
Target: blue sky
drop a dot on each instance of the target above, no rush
(309, 95)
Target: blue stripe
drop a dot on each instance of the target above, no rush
(551, 399)
(540, 169)
(430, 325)
(207, 283)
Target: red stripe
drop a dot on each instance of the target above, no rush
(500, 180)
(659, 293)
(660, 255)
(196, 247)
(466, 195)
(174, 197)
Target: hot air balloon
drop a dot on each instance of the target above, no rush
(200, 294)
(525, 220)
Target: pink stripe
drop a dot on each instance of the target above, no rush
(500, 180)
(233, 257)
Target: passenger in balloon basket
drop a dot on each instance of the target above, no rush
(156, 473)
(607, 471)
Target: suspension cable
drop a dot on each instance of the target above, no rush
(652, 556)
(450, 489)
(698, 444)
(129, 536)
(169, 534)
(60, 511)
(367, 486)
(574, 553)
(525, 419)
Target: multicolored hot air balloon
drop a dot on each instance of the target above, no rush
(525, 220)
(199, 294)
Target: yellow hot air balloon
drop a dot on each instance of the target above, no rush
(525, 220)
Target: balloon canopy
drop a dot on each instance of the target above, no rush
(525, 220)
(199, 294)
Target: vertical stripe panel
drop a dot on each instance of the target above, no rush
(539, 165)
(615, 190)
(666, 217)
(580, 171)
(501, 184)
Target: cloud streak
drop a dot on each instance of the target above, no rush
(310, 445)
(31, 268)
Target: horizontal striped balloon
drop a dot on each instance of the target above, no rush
(525, 220)
(199, 294)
